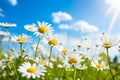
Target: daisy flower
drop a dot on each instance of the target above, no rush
(82, 67)
(2, 33)
(63, 47)
(8, 25)
(72, 59)
(6, 39)
(53, 40)
(45, 63)
(30, 28)
(99, 66)
(107, 41)
(40, 48)
(43, 29)
(32, 70)
(21, 38)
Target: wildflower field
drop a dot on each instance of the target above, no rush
(59, 40)
(52, 58)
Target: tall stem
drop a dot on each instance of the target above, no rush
(98, 75)
(36, 51)
(8, 38)
(50, 55)
(21, 52)
(74, 73)
(109, 64)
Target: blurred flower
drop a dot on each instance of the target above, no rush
(78, 44)
(40, 48)
(53, 40)
(44, 29)
(7, 25)
(63, 49)
(107, 41)
(99, 66)
(21, 38)
(2, 33)
(82, 67)
(72, 59)
(6, 39)
(45, 63)
(2, 64)
(30, 28)
(34, 71)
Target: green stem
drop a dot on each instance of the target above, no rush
(15, 70)
(98, 75)
(36, 51)
(21, 52)
(74, 73)
(50, 55)
(109, 64)
(49, 71)
(8, 38)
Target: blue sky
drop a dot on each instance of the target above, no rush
(30, 11)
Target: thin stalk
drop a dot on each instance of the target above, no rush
(15, 70)
(49, 71)
(8, 38)
(109, 64)
(36, 51)
(21, 52)
(98, 74)
(74, 73)
(50, 55)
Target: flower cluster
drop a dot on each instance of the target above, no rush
(51, 56)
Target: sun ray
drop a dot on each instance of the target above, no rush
(114, 5)
(113, 21)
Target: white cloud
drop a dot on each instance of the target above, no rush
(61, 16)
(64, 26)
(80, 26)
(84, 26)
(13, 2)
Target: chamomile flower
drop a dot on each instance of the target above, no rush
(8, 25)
(32, 70)
(45, 63)
(99, 65)
(30, 28)
(107, 41)
(72, 59)
(40, 48)
(6, 39)
(63, 49)
(43, 29)
(53, 40)
(21, 38)
(82, 67)
(2, 33)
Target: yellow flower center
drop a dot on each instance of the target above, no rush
(107, 44)
(21, 40)
(7, 26)
(44, 63)
(65, 51)
(72, 60)
(42, 29)
(52, 42)
(31, 70)
(99, 66)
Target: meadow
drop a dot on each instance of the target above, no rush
(52, 57)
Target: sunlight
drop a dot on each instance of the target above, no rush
(114, 5)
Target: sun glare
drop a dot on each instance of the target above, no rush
(114, 5)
